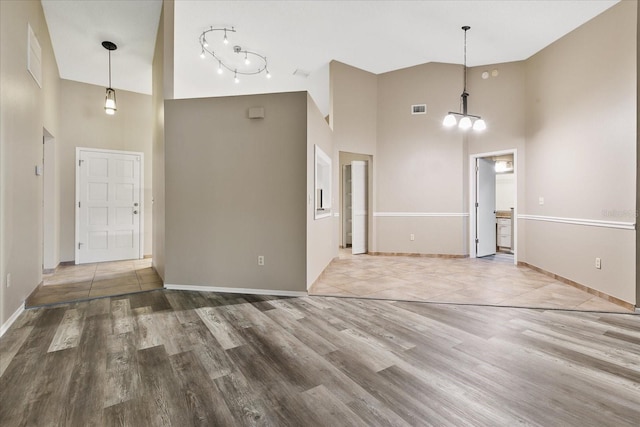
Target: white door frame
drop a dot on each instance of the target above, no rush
(359, 249)
(50, 222)
(77, 209)
(472, 200)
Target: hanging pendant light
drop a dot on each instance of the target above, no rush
(467, 121)
(110, 98)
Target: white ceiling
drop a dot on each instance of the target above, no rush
(377, 36)
(79, 27)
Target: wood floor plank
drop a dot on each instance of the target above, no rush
(85, 399)
(10, 344)
(126, 414)
(205, 403)
(68, 332)
(163, 402)
(122, 382)
(277, 392)
(220, 328)
(290, 324)
(121, 319)
(247, 407)
(46, 404)
(329, 410)
(27, 363)
(211, 354)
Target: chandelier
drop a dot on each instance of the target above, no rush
(247, 62)
(466, 120)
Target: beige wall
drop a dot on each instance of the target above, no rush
(353, 105)
(420, 166)
(25, 109)
(83, 123)
(637, 156)
(322, 246)
(353, 108)
(158, 96)
(236, 188)
(581, 137)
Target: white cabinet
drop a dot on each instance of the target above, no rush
(503, 237)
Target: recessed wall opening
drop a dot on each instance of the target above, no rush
(493, 210)
(355, 202)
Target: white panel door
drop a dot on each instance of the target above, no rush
(109, 206)
(358, 207)
(485, 208)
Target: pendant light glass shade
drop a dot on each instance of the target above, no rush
(449, 120)
(479, 125)
(465, 123)
(110, 102)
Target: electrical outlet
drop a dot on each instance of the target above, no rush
(9, 280)
(260, 259)
(412, 237)
(598, 263)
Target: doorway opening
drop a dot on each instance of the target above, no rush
(355, 202)
(493, 206)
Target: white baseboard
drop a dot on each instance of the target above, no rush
(6, 325)
(277, 293)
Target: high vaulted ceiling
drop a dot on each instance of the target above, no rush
(377, 36)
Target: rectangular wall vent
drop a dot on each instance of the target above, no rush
(419, 109)
(34, 56)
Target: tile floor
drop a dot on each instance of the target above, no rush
(482, 281)
(80, 282)
(494, 281)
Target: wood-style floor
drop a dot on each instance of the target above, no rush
(186, 358)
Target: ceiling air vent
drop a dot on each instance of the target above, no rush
(301, 73)
(419, 109)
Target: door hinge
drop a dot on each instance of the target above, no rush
(79, 244)
(477, 241)
(80, 162)
(476, 204)
(78, 204)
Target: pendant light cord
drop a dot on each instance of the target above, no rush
(465, 59)
(110, 69)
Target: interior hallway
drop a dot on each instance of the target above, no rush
(452, 280)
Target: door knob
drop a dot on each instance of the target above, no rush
(135, 212)
(135, 204)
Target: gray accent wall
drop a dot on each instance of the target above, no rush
(236, 188)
